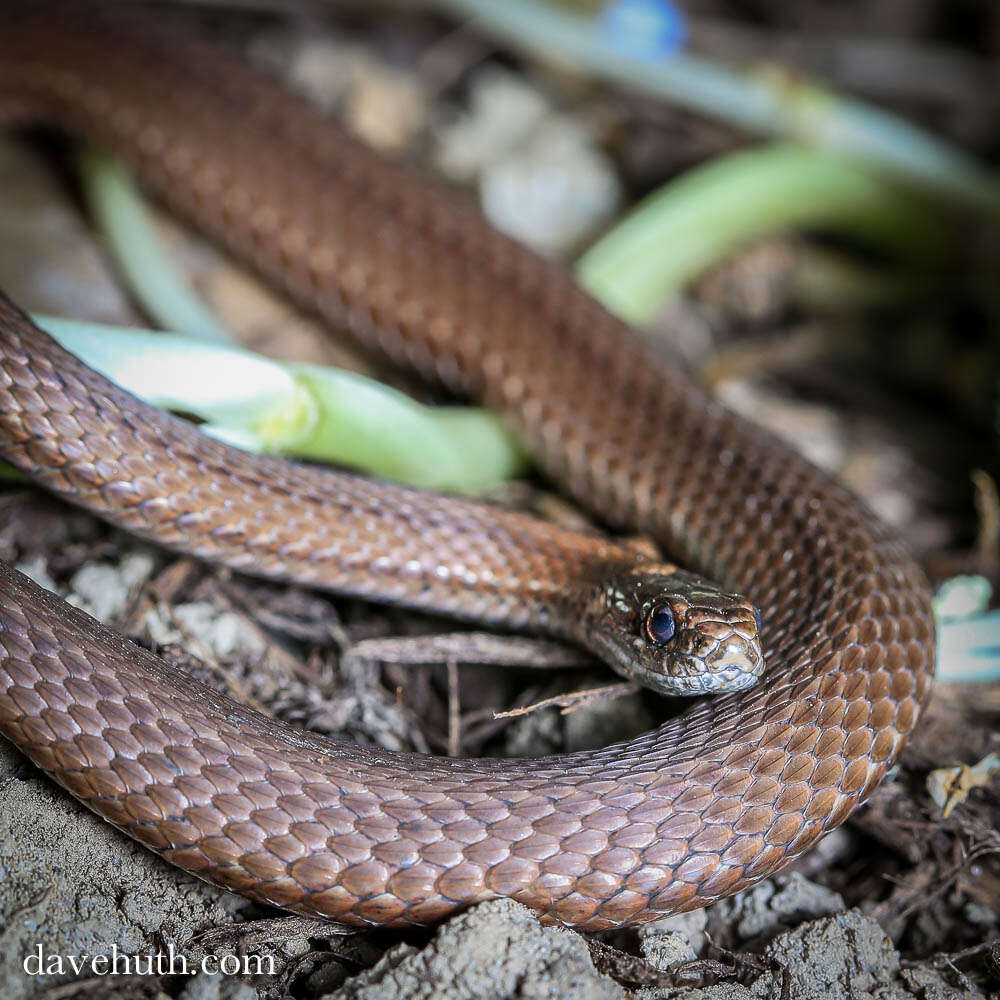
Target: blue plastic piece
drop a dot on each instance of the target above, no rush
(645, 29)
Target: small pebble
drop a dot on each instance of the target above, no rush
(671, 941)
(552, 191)
(542, 179)
(501, 112)
(104, 589)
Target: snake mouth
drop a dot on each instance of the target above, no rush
(699, 681)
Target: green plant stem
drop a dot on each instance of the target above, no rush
(120, 213)
(698, 219)
(306, 411)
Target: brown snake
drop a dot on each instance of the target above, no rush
(707, 804)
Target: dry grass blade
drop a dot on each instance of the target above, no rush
(571, 702)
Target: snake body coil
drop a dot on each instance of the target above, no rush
(705, 805)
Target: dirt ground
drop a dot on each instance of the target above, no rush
(897, 397)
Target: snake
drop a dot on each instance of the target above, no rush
(825, 664)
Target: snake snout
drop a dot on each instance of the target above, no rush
(725, 638)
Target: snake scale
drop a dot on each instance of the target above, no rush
(710, 802)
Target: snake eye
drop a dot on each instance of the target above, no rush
(660, 625)
(760, 621)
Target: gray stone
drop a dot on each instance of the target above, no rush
(837, 958)
(103, 590)
(777, 903)
(496, 951)
(844, 957)
(670, 941)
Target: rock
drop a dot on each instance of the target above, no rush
(928, 984)
(72, 885)
(103, 590)
(385, 108)
(668, 942)
(720, 991)
(542, 179)
(496, 951)
(224, 634)
(843, 957)
(552, 191)
(838, 958)
(502, 112)
(217, 988)
(848, 957)
(777, 903)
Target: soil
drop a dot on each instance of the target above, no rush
(903, 901)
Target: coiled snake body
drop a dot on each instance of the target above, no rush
(707, 804)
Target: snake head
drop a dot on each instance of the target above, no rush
(675, 632)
